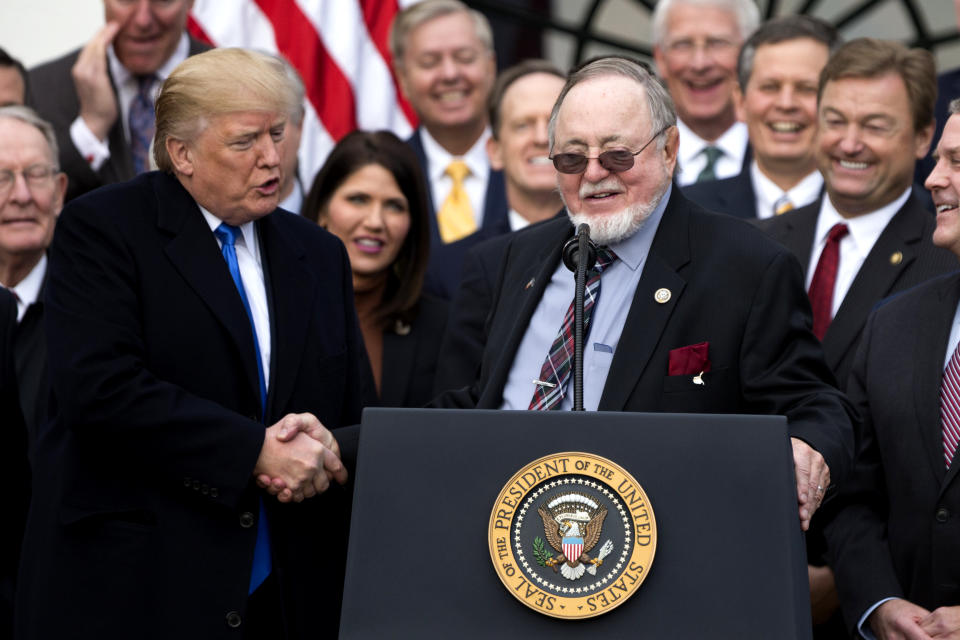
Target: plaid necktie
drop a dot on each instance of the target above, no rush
(950, 406)
(227, 234)
(141, 120)
(556, 368)
(709, 171)
(824, 280)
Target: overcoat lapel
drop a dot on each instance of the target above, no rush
(194, 253)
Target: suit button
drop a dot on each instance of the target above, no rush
(246, 519)
(213, 492)
(233, 619)
(196, 485)
(186, 482)
(204, 489)
(942, 515)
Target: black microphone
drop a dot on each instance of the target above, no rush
(579, 255)
(571, 250)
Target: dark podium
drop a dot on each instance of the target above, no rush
(730, 561)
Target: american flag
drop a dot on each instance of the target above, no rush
(340, 48)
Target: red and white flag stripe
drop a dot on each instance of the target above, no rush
(340, 48)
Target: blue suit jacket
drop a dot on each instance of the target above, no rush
(446, 260)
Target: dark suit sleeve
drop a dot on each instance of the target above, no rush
(783, 368)
(857, 535)
(463, 344)
(108, 399)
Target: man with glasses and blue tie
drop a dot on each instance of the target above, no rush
(204, 350)
(690, 311)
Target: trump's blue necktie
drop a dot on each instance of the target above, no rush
(227, 234)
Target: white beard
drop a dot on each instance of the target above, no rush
(613, 228)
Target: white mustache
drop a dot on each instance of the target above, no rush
(606, 185)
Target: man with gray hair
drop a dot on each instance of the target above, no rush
(779, 69)
(203, 349)
(695, 46)
(699, 303)
(32, 189)
(444, 59)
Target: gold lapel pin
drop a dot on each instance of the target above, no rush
(529, 284)
(896, 258)
(662, 295)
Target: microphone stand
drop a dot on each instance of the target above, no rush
(579, 255)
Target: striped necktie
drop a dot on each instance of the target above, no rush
(556, 369)
(950, 406)
(141, 121)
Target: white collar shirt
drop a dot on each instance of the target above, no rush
(27, 290)
(768, 193)
(251, 272)
(692, 160)
(864, 229)
(475, 183)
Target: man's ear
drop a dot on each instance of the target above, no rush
(181, 155)
(494, 153)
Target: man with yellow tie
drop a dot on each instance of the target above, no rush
(443, 57)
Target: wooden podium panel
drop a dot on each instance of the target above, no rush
(730, 561)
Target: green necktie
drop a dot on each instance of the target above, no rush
(709, 171)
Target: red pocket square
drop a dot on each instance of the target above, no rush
(690, 360)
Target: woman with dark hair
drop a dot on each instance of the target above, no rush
(370, 193)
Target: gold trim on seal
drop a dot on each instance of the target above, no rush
(582, 503)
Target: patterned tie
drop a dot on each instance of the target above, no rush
(141, 124)
(950, 406)
(709, 171)
(556, 368)
(227, 234)
(782, 205)
(455, 217)
(824, 279)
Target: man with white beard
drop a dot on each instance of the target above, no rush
(698, 313)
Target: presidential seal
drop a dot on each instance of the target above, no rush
(572, 535)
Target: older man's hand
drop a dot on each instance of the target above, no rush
(299, 459)
(813, 478)
(943, 622)
(898, 619)
(98, 104)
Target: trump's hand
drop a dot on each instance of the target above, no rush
(299, 459)
(98, 104)
(898, 619)
(813, 478)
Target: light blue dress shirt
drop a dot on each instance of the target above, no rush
(618, 283)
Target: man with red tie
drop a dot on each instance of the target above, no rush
(869, 236)
(895, 540)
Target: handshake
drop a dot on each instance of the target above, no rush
(299, 458)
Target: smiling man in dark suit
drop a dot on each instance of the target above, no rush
(895, 540)
(99, 99)
(444, 59)
(697, 313)
(778, 70)
(201, 343)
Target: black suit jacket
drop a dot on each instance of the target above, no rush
(733, 196)
(897, 532)
(143, 518)
(30, 358)
(908, 233)
(730, 287)
(13, 460)
(443, 268)
(410, 355)
(53, 95)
